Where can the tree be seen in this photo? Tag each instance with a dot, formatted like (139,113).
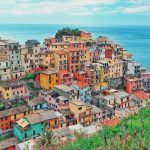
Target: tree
(68,32)
(29,76)
(46,140)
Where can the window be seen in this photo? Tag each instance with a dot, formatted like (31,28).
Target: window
(80,108)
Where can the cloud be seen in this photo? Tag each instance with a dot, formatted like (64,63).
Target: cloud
(49,7)
(140,9)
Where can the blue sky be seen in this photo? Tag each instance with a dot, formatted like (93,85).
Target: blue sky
(89,12)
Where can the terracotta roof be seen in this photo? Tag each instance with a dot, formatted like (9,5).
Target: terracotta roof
(59,52)
(141,95)
(76,49)
(81,84)
(111,122)
(129,54)
(64,72)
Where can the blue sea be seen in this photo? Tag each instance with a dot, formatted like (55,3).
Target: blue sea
(136,39)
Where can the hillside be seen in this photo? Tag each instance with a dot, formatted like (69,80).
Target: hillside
(131,133)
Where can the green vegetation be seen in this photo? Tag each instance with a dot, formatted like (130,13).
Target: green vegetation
(132,133)
(29,76)
(2,106)
(68,32)
(46,140)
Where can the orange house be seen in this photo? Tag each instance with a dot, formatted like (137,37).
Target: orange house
(64,77)
(85,35)
(7,117)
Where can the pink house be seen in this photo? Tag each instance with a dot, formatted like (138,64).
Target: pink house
(54,100)
(94,55)
(134,84)
(146,76)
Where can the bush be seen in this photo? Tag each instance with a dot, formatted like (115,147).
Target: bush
(29,76)
(68,32)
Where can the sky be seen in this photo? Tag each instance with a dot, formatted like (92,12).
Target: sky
(87,12)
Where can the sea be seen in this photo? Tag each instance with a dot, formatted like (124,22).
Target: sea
(136,39)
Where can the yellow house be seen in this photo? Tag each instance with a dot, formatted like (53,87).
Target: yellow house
(20,112)
(83,112)
(69,38)
(60,58)
(47,59)
(5,91)
(48,78)
(85,55)
(58,46)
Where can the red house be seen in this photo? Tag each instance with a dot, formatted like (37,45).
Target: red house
(134,84)
(64,77)
(49,41)
(108,52)
(86,35)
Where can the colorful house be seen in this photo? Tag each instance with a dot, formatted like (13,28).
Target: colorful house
(53,99)
(66,91)
(69,116)
(146,76)
(8,144)
(37,103)
(46,59)
(141,99)
(73,59)
(94,55)
(13,89)
(48,78)
(64,77)
(85,35)
(4,62)
(99,114)
(7,117)
(83,112)
(33,125)
(115,73)
(84,91)
(60,60)
(49,41)
(34,50)
(134,84)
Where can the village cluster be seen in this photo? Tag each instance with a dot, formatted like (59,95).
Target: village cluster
(72,83)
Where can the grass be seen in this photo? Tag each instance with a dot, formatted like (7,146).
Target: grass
(132,133)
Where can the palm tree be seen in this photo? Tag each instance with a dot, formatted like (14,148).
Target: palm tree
(46,140)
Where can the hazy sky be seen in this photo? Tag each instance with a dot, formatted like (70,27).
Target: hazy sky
(90,12)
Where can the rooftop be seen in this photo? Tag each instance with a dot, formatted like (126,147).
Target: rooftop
(58,52)
(38,117)
(45,91)
(141,95)
(36,101)
(63,72)
(50,71)
(111,122)
(121,94)
(32,42)
(12,83)
(13,111)
(96,110)
(64,87)
(82,84)
(4,144)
